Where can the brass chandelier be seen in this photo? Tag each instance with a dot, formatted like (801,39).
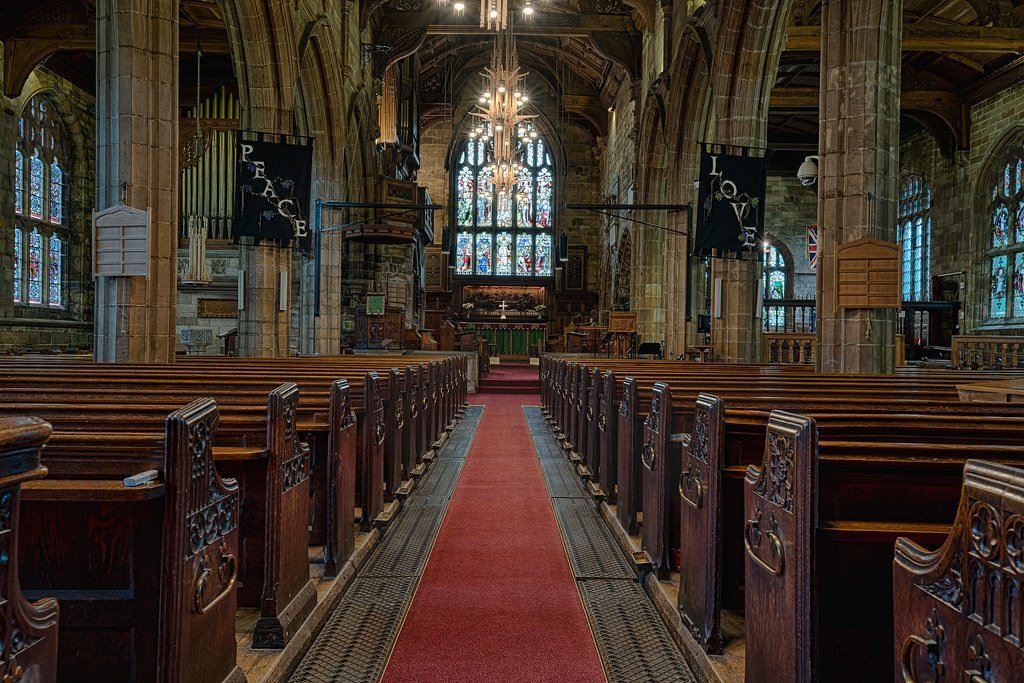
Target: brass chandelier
(503,123)
(494,14)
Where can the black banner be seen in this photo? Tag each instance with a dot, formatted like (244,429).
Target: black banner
(730,209)
(272,187)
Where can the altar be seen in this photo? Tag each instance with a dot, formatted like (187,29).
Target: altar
(508,338)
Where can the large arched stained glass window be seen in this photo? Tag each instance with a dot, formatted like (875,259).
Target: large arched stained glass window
(915,235)
(775,283)
(1006,230)
(503,234)
(39,196)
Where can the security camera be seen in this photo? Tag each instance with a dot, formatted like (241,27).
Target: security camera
(807,174)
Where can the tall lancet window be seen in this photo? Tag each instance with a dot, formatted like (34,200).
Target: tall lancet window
(1006,235)
(503,234)
(915,235)
(40,186)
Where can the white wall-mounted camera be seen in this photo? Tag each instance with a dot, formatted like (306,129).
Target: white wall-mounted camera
(807,174)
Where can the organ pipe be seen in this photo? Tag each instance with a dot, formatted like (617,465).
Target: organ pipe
(207,187)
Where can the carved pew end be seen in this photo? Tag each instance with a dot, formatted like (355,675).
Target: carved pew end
(596,492)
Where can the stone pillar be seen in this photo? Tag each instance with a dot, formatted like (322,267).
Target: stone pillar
(648,296)
(137,145)
(858,169)
(263,328)
(736,336)
(264,324)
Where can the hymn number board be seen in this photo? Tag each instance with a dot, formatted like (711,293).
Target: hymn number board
(868,274)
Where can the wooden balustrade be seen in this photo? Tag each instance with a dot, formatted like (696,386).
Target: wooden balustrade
(980,352)
(788,348)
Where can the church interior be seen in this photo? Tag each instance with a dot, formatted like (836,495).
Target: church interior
(511,340)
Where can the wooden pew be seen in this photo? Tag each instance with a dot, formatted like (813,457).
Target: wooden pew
(259,447)
(819,542)
(957,610)
(30,651)
(838,467)
(145,576)
(314,425)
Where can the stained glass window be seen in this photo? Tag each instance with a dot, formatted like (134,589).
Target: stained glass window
(35,186)
(999,286)
(18,256)
(464,253)
(19,181)
(544,191)
(55,263)
(39,180)
(483,254)
(543,255)
(56,193)
(503,258)
(524,254)
(35,268)
(774,282)
(1018,285)
(915,234)
(496,231)
(1006,219)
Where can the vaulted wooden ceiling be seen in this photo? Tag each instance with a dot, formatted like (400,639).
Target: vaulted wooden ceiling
(955,53)
(581,51)
(61,35)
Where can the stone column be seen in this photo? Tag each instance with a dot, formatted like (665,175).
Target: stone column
(264,324)
(736,336)
(648,297)
(137,146)
(858,169)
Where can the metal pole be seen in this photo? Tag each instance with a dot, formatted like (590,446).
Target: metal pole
(316,298)
(630,207)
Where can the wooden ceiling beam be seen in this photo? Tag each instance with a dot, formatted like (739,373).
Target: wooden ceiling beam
(916,38)
(807,98)
(581,25)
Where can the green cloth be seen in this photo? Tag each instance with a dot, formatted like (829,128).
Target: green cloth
(508,340)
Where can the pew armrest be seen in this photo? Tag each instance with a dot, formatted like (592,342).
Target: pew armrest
(238,453)
(89,490)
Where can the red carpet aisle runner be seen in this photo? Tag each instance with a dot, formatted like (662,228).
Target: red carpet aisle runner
(497,601)
(512,379)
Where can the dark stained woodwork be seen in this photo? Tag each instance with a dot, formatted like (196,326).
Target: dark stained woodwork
(957,610)
(30,635)
(779,506)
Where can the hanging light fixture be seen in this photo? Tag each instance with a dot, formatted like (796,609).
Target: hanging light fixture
(494,14)
(501,108)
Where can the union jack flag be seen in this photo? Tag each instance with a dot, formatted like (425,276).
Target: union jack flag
(812,246)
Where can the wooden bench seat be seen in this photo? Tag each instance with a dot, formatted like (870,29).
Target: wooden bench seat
(267,458)
(145,578)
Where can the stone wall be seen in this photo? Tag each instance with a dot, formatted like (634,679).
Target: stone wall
(789,209)
(433,173)
(961,225)
(38,327)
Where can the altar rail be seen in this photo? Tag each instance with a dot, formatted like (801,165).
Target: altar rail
(788,348)
(981,352)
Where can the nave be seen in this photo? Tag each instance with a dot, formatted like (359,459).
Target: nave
(499,597)
(584,519)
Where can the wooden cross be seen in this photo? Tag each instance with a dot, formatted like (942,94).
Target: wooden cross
(503,307)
